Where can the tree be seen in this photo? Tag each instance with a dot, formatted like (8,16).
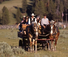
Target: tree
(0,19)
(1,1)
(5,16)
(24,6)
(59,8)
(40,8)
(18,16)
(52,9)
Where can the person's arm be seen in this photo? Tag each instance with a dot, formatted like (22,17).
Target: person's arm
(42,22)
(49,21)
(29,21)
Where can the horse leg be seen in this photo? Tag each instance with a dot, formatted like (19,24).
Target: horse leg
(56,42)
(33,45)
(30,44)
(48,45)
(52,45)
(36,41)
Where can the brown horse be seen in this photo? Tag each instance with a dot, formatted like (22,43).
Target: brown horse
(54,34)
(33,36)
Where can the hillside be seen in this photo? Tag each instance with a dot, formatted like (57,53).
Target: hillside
(12,6)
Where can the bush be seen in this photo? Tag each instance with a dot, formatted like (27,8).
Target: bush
(7,51)
(18,50)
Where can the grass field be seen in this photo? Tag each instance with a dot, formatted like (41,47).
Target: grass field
(10,36)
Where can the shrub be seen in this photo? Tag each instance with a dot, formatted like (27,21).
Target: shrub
(5,50)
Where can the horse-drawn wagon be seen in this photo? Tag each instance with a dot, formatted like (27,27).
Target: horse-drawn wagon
(33,38)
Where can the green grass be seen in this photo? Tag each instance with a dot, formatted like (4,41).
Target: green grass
(10,36)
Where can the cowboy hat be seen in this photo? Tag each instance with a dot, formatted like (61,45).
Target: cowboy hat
(32,14)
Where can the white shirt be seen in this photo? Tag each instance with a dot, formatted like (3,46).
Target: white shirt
(32,19)
(44,21)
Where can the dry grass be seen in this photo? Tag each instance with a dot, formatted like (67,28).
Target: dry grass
(13,40)
(10,37)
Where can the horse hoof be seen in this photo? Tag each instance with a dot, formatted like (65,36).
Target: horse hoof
(49,49)
(35,51)
(53,49)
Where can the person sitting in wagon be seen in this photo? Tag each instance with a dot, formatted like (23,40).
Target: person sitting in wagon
(22,22)
(26,20)
(30,21)
(44,22)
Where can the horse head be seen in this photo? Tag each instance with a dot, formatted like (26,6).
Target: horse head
(52,27)
(35,28)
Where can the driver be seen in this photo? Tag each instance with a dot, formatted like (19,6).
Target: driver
(30,21)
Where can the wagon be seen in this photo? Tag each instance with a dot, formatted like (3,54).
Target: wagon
(42,39)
